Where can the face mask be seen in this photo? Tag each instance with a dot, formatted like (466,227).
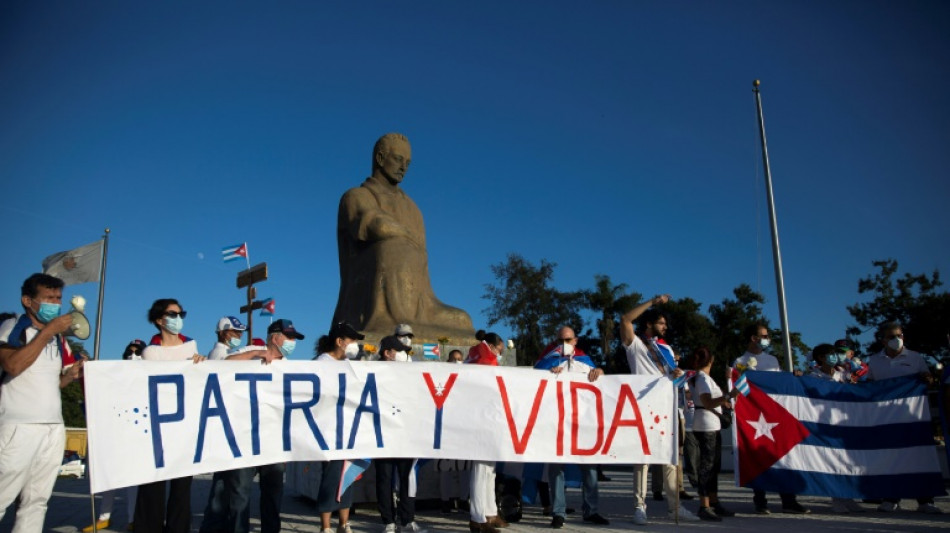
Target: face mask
(458,361)
(895,344)
(287,347)
(352,350)
(832,359)
(568,349)
(764,343)
(405,340)
(401,357)
(174,325)
(47,312)
(234,342)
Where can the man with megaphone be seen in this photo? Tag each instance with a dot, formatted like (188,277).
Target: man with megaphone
(36,364)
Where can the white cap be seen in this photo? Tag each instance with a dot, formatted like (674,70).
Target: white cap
(403,330)
(230,322)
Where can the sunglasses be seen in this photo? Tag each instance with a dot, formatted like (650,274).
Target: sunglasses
(176,314)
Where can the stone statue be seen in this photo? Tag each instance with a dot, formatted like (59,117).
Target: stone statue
(384,266)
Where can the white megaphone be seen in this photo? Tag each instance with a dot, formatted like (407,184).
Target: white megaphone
(80,327)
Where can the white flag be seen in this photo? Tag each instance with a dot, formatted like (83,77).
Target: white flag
(75,266)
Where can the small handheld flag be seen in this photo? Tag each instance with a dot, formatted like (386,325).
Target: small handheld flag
(234,253)
(431,351)
(267,308)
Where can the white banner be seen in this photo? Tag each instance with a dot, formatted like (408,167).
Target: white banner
(150,420)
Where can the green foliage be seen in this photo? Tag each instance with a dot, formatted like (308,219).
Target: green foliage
(524,300)
(73,405)
(609,301)
(911,300)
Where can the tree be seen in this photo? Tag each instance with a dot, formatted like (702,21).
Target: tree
(523,299)
(610,301)
(688,327)
(911,300)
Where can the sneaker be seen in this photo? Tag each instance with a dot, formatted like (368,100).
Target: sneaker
(685,495)
(722,511)
(707,513)
(103,524)
(795,508)
(658,496)
(888,507)
(928,508)
(557,522)
(413,527)
(327,530)
(684,515)
(597,519)
(640,516)
(762,510)
(390,528)
(344,528)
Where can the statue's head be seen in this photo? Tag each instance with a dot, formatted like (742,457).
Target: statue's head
(391,157)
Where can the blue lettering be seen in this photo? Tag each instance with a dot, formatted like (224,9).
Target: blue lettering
(305,406)
(252,380)
(213,388)
(369,393)
(158,451)
(341,399)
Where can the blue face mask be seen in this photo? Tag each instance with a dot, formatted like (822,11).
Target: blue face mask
(832,359)
(287,348)
(234,342)
(47,312)
(174,325)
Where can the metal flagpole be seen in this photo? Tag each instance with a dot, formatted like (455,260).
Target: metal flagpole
(95,351)
(776,252)
(102,292)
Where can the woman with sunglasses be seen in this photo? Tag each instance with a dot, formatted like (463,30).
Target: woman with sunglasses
(151,512)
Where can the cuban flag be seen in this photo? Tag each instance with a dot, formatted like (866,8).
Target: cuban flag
(352,470)
(267,307)
(811,436)
(234,253)
(556,358)
(431,351)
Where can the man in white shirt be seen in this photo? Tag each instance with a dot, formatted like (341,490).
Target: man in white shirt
(896,360)
(644,359)
(32,354)
(756,358)
(229,332)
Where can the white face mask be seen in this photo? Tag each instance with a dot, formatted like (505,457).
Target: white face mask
(401,357)
(895,344)
(568,349)
(405,339)
(764,342)
(352,350)
(458,362)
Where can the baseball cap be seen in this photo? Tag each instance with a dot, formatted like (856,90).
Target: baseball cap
(284,326)
(843,345)
(138,343)
(392,343)
(403,330)
(230,322)
(342,329)
(257,341)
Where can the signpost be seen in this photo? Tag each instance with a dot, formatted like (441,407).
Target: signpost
(247,278)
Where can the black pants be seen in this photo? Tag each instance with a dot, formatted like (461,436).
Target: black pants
(690,458)
(759,499)
(710,461)
(154,515)
(384,490)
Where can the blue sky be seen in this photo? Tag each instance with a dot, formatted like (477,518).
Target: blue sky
(608,137)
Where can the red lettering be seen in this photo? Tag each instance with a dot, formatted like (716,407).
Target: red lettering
(438,398)
(626,395)
(560,418)
(575,448)
(521,443)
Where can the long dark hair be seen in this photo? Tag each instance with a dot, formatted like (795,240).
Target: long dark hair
(493,339)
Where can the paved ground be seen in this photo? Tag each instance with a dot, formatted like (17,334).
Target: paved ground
(69,511)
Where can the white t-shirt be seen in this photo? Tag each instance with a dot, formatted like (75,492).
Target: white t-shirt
(705,419)
(324,357)
(219,352)
(182,352)
(837,375)
(641,360)
(765,362)
(906,363)
(32,397)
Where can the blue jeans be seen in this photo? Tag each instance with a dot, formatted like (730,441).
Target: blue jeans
(588,489)
(229,502)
